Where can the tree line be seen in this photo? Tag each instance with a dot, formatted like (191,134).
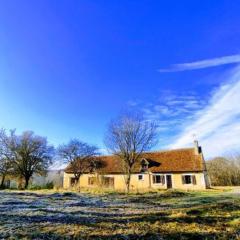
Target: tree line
(127,136)
(224,171)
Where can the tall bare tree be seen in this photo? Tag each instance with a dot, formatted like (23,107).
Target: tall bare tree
(31,155)
(128,137)
(80,156)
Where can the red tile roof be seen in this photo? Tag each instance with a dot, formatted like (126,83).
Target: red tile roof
(179,160)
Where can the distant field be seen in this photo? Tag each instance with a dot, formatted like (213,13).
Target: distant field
(161,215)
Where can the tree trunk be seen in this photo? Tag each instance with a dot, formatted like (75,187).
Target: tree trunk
(78,184)
(128,182)
(26,182)
(2,182)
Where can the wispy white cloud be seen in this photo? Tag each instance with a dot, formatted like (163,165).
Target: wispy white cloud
(171,111)
(203,64)
(172,107)
(217,126)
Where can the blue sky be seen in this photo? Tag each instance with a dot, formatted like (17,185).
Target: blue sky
(68,67)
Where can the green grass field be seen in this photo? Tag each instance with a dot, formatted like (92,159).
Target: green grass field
(213,214)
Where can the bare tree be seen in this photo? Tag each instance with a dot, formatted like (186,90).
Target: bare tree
(128,137)
(80,156)
(6,157)
(31,155)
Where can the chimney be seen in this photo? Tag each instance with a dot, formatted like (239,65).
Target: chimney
(197,148)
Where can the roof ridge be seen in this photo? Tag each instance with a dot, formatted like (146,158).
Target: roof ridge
(170,150)
(157,151)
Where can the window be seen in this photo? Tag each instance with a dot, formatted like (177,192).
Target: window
(140,177)
(107,182)
(158,179)
(144,165)
(189,179)
(144,168)
(92,181)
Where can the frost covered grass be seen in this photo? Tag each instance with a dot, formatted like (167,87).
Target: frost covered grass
(156,215)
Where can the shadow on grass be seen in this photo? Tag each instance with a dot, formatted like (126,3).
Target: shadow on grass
(168,236)
(148,236)
(89,218)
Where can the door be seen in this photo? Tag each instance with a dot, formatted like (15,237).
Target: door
(73,181)
(169,181)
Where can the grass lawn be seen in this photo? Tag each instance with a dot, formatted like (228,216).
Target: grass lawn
(158,215)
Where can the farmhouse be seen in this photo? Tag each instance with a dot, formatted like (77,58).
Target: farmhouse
(177,169)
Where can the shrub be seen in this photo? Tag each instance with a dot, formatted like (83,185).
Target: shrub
(34,187)
(48,185)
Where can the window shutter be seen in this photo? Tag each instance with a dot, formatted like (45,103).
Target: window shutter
(194,180)
(183,179)
(163,179)
(154,178)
